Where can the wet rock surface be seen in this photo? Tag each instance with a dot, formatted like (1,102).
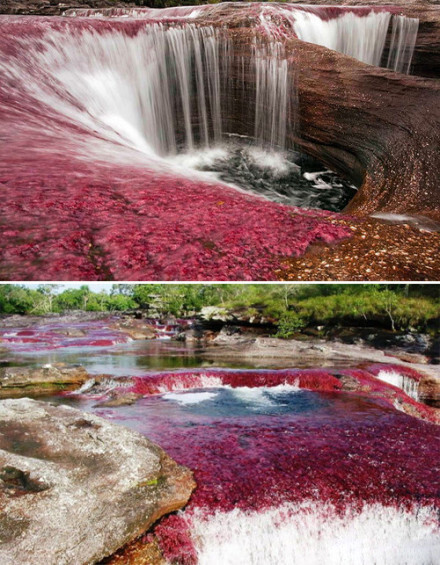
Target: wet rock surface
(429,390)
(28,381)
(376,252)
(135,329)
(74,488)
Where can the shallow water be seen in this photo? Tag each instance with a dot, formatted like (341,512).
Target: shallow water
(289,476)
(289,468)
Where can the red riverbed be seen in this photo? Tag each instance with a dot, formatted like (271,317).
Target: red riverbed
(80,206)
(262,439)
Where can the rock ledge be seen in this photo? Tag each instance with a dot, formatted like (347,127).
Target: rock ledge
(74,488)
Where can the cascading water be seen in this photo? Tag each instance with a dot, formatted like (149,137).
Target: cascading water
(274,93)
(360,37)
(144,88)
(403,41)
(161,89)
(409,385)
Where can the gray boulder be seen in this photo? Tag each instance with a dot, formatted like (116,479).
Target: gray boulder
(74,488)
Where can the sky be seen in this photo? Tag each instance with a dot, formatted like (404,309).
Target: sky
(94,286)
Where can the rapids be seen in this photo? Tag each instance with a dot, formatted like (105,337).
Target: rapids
(292,466)
(287,474)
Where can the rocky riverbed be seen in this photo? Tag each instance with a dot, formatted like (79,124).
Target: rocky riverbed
(57,462)
(74,487)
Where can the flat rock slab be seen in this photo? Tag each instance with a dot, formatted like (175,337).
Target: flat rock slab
(25,381)
(74,488)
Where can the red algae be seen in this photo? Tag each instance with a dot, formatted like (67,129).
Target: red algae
(80,206)
(146,227)
(56,336)
(174,538)
(199,378)
(361,380)
(344,449)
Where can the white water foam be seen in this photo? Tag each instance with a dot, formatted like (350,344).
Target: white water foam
(408,385)
(189,397)
(275,161)
(262,397)
(318,182)
(201,157)
(312,534)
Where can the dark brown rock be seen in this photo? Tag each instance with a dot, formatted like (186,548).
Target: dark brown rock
(74,487)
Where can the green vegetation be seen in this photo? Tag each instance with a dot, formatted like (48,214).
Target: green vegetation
(289,324)
(17,299)
(290,307)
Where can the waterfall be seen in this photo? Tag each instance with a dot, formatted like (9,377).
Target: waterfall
(273,93)
(157,91)
(403,41)
(361,37)
(163,88)
(408,385)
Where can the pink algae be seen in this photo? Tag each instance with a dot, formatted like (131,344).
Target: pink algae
(174,537)
(78,207)
(363,380)
(156,383)
(348,449)
(56,336)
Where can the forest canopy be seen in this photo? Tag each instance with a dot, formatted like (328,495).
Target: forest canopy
(288,306)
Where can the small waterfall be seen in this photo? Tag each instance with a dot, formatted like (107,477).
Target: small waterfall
(273,94)
(408,385)
(361,37)
(403,41)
